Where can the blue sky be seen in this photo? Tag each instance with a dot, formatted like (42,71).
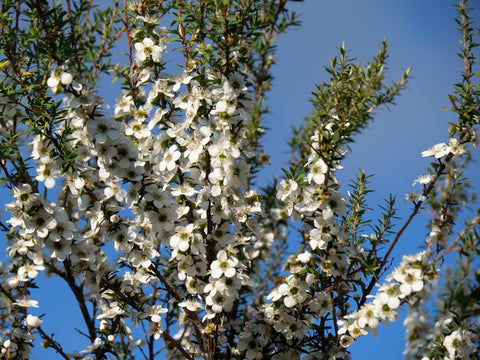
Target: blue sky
(423,35)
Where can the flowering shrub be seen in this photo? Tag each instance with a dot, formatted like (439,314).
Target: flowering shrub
(147,208)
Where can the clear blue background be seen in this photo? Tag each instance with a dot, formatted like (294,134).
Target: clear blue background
(423,35)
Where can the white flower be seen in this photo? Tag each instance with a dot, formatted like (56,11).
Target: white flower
(26,303)
(29,271)
(147,48)
(169,159)
(295,328)
(124,103)
(459,344)
(182,238)
(393,302)
(351,325)
(414,196)
(59,249)
(93,346)
(182,79)
(66,78)
(391,294)
(317,172)
(275,316)
(185,267)
(423,179)
(111,312)
(53,81)
(142,258)
(224,265)
(190,305)
(154,312)
(439,235)
(304,257)
(336,202)
(237,174)
(295,291)
(194,286)
(219,302)
(47,173)
(410,280)
(287,188)
(438,150)
(368,317)
(183,189)
(321,304)
(33,321)
(455,147)
(322,234)
(42,223)
(317,241)
(384,311)
(346,341)
(41,150)
(251,344)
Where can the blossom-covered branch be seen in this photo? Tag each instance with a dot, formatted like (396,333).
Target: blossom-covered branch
(146,206)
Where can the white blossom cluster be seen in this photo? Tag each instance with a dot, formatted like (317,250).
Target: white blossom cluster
(448,152)
(447,332)
(174,152)
(459,344)
(155,222)
(408,278)
(422,337)
(21,337)
(294,305)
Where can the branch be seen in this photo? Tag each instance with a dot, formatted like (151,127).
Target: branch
(52,343)
(78,293)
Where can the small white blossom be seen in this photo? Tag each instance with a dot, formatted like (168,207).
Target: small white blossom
(410,279)
(169,159)
(414,196)
(459,345)
(423,179)
(190,305)
(146,49)
(317,172)
(287,189)
(346,341)
(224,265)
(33,321)
(438,151)
(26,303)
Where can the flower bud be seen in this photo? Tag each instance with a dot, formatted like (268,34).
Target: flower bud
(66,78)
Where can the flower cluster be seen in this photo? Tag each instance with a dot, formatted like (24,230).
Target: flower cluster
(297,302)
(181,168)
(408,278)
(146,209)
(450,332)
(424,337)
